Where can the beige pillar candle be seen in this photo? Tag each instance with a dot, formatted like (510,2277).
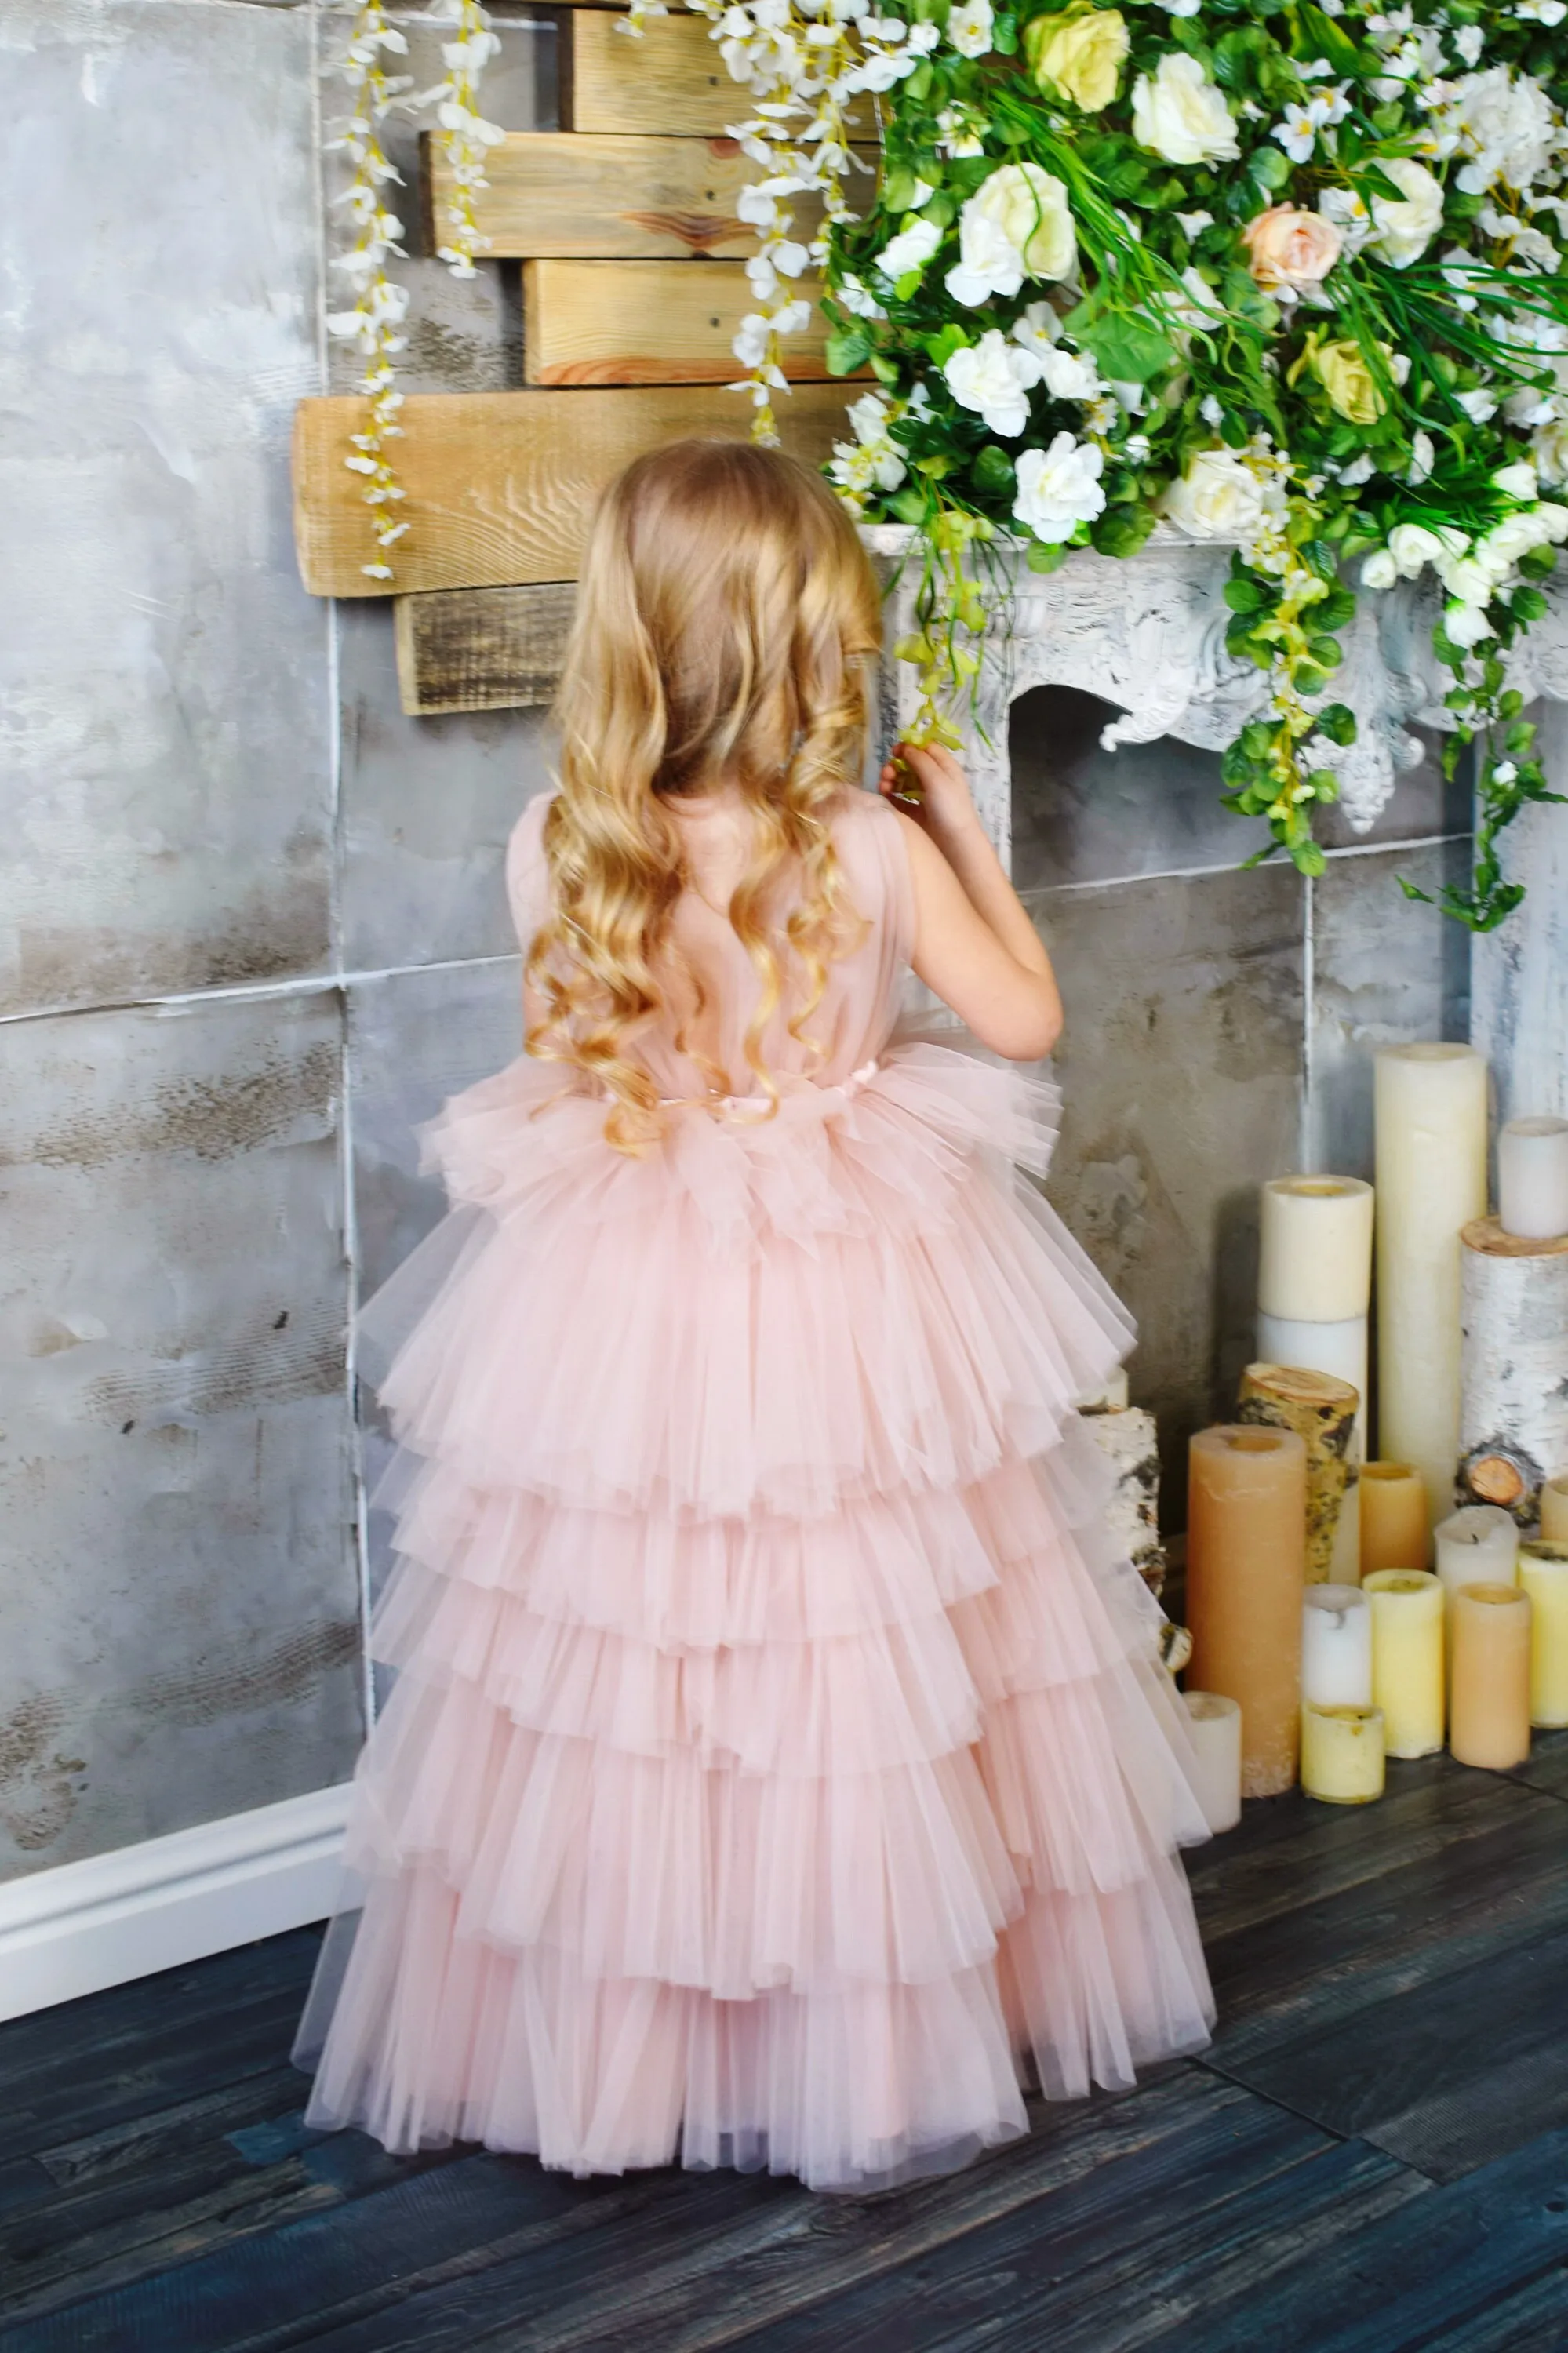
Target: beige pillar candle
(1431,1126)
(1554,1509)
(1394,1532)
(1341,1753)
(1315,1249)
(1336,1647)
(1533,1178)
(1407,1658)
(1489,1725)
(1477,1546)
(1543,1574)
(1218,1738)
(1247,1559)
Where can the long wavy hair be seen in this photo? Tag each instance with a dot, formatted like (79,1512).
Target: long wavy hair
(725,619)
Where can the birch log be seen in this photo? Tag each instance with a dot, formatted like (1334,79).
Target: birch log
(1513,1397)
(1321,1410)
(1128,1439)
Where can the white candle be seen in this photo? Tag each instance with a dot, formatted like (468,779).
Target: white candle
(1218,1738)
(1478,1546)
(1336,1647)
(1532,1179)
(1431,1113)
(1315,1253)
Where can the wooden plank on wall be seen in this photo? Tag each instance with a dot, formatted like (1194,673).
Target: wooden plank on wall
(647,322)
(562,195)
(500,485)
(673,82)
(482,649)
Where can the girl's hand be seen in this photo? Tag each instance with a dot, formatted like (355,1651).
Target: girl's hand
(927,783)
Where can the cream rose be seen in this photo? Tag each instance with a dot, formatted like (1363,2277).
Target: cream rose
(1402,231)
(1178,112)
(1017,224)
(1289,246)
(1218,496)
(1342,369)
(1550,449)
(1081,54)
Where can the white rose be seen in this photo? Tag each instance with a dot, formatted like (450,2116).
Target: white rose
(1069,375)
(1017,224)
(1412,545)
(1551,448)
(1402,231)
(1059,488)
(1466,625)
(1508,128)
(1380,570)
(995,378)
(969,29)
(1509,540)
(1479,404)
(1472,581)
(1217,498)
(911,250)
(1181,115)
(1553,522)
(1516,482)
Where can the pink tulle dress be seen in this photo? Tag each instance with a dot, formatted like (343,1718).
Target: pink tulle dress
(779,1770)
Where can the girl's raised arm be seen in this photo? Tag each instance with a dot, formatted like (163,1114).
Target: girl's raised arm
(974,945)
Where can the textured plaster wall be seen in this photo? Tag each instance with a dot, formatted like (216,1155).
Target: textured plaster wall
(254,931)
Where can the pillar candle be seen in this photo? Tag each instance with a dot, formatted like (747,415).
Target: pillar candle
(1431,1129)
(1407,1658)
(1554,1509)
(1336,1647)
(1246,1565)
(1341,1753)
(1393,1517)
(1336,1348)
(1315,1249)
(1478,1546)
(1218,1738)
(1533,1178)
(1490,1717)
(1543,1574)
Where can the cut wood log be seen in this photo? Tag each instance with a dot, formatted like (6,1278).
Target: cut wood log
(500,485)
(1513,1367)
(673,82)
(556,195)
(647,322)
(1128,1439)
(1322,1411)
(482,649)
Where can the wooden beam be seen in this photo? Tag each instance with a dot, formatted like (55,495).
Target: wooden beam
(562,195)
(500,485)
(482,649)
(671,83)
(647,322)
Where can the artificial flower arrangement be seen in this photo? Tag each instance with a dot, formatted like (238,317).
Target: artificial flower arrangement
(1283,274)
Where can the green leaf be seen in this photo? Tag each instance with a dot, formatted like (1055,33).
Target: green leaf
(1122,531)
(1244,596)
(1337,721)
(1310,678)
(1320,36)
(899,189)
(1270,167)
(1041,558)
(1004,33)
(940,347)
(1325,652)
(1529,604)
(884,370)
(1125,350)
(992,472)
(908,505)
(848,348)
(1307,857)
(1256,739)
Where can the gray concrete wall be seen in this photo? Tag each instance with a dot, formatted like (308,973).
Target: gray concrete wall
(255,930)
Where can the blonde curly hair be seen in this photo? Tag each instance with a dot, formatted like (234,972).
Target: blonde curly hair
(724,623)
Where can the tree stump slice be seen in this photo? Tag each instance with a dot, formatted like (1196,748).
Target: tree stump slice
(1513,1367)
(1322,1411)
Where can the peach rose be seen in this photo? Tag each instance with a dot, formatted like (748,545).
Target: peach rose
(1291,247)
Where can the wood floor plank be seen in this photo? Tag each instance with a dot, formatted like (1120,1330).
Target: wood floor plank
(1547,1767)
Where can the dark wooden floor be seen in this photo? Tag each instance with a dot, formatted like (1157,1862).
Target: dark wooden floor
(1372,2159)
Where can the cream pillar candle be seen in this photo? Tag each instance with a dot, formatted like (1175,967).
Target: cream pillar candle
(1246,1562)
(1431,1124)
(1341,1753)
(1336,1647)
(1554,1509)
(1489,1722)
(1407,1658)
(1478,1546)
(1315,1252)
(1217,1737)
(1393,1517)
(1533,1178)
(1543,1574)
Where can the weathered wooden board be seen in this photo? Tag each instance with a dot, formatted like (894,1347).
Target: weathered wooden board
(647,322)
(482,649)
(672,82)
(500,485)
(557,194)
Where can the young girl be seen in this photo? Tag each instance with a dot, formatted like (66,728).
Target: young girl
(781,1771)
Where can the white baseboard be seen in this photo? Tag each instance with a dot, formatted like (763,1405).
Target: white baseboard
(85,1925)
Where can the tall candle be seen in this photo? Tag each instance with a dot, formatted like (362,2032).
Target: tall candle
(1533,1178)
(1315,1252)
(1543,1574)
(1336,1647)
(1478,1546)
(1554,1509)
(1490,1724)
(1407,1658)
(1246,1565)
(1393,1517)
(1431,1122)
(1218,1738)
(1341,1753)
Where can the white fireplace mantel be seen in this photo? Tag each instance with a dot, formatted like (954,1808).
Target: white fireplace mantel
(1147,632)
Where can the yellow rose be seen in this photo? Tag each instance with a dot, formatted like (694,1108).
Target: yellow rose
(1080,54)
(1342,371)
